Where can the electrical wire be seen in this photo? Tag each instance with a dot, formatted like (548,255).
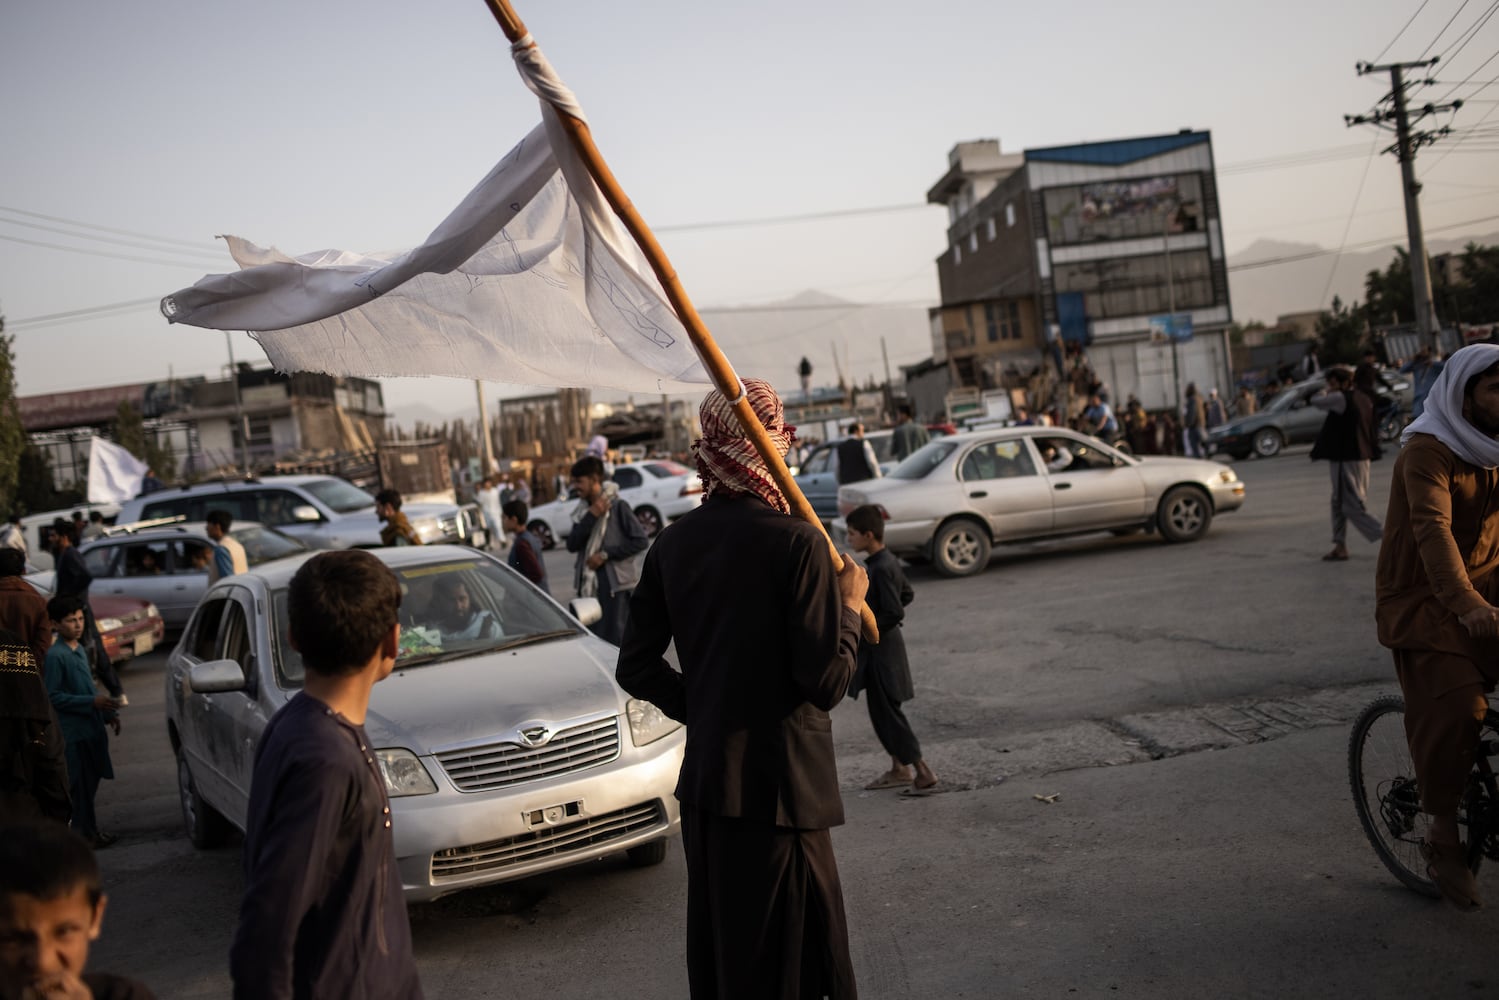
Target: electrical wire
(101,253)
(1471,33)
(133,244)
(1401,31)
(106,229)
(1312,254)
(1352,212)
(1434,41)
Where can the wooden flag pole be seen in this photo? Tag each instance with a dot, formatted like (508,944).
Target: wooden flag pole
(719,369)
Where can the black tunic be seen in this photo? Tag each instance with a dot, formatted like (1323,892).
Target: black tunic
(889,593)
(323,914)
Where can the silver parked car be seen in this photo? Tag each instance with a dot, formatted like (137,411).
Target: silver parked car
(167,564)
(506,747)
(817,477)
(955,498)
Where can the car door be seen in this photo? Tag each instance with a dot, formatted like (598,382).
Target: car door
(140,570)
(1303,421)
(189,579)
(197,719)
(819,483)
(275,508)
(1097,489)
(631,485)
(1000,480)
(239,717)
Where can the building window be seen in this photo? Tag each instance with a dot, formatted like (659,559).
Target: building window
(1002,321)
(260,433)
(1010,328)
(989,230)
(991,321)
(1009,213)
(957,253)
(973,241)
(1122,210)
(1137,286)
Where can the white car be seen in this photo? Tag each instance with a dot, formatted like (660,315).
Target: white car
(503,756)
(955,498)
(658,491)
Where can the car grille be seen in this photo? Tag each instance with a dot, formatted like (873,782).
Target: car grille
(495,765)
(548,842)
(130,618)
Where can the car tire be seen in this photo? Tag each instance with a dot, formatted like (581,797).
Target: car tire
(961,548)
(206,827)
(1268,442)
(650,520)
(652,852)
(543,532)
(1184,514)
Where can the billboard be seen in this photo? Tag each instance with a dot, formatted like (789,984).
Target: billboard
(1172,327)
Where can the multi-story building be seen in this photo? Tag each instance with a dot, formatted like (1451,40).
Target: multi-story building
(1114,248)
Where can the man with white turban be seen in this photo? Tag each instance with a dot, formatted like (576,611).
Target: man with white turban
(1437,585)
(767,634)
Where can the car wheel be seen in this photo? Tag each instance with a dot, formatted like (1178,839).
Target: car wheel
(649,520)
(1267,442)
(205,826)
(1184,514)
(647,854)
(543,531)
(961,548)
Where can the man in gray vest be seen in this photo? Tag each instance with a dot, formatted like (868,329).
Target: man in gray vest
(854,460)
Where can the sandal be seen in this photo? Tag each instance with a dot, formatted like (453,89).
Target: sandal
(887,780)
(1447,866)
(1336,556)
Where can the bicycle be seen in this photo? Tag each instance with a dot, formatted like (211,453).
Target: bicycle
(1389,806)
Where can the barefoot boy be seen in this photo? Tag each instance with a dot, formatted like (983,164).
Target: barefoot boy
(884,672)
(51,910)
(81,712)
(323,914)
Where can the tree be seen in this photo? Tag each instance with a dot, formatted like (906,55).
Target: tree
(1475,297)
(1388,297)
(1340,334)
(12,433)
(129,432)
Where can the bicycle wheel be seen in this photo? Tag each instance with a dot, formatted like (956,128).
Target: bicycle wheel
(1383,780)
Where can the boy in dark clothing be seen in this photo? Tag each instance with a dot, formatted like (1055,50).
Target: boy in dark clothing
(73,580)
(81,712)
(323,914)
(525,548)
(884,672)
(51,909)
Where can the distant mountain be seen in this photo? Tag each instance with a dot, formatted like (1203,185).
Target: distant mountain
(1263,293)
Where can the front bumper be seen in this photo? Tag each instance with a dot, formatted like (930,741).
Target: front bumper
(452,840)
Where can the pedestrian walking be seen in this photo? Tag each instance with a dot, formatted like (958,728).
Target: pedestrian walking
(1194,418)
(13,536)
(884,672)
(73,579)
(228,554)
(490,504)
(1214,411)
(1346,442)
(525,548)
(82,713)
(398,529)
(51,911)
(607,539)
(853,459)
(908,435)
(767,635)
(323,914)
(33,753)
(1437,595)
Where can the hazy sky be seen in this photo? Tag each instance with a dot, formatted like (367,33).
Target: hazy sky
(359,125)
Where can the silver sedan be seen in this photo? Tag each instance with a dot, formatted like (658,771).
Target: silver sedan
(958,496)
(505,745)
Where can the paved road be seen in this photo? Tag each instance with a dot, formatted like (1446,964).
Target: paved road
(1223,860)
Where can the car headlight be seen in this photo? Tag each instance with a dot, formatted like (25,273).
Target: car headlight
(427,529)
(152,611)
(1227,476)
(110,624)
(648,723)
(404,774)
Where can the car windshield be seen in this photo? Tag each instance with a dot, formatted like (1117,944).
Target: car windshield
(923,460)
(666,469)
(1284,399)
(450,610)
(884,446)
(263,544)
(338,495)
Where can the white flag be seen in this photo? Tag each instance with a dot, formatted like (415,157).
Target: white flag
(114,475)
(531,280)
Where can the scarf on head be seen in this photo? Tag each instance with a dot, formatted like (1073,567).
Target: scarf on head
(727,461)
(1442,416)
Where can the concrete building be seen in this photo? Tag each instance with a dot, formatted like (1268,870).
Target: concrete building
(1113,247)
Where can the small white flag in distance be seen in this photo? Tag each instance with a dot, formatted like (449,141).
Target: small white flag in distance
(114,475)
(531,280)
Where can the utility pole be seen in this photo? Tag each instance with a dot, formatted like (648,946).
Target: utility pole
(1406,144)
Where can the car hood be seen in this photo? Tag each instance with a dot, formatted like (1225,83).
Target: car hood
(479,697)
(1179,464)
(1244,425)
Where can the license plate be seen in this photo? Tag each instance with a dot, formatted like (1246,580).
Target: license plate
(552,815)
(144,644)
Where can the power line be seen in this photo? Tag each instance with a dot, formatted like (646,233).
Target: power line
(1434,41)
(72,314)
(1402,30)
(105,229)
(133,244)
(1471,33)
(1352,212)
(102,253)
(1312,254)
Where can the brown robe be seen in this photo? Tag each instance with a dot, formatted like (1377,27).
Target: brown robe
(1438,561)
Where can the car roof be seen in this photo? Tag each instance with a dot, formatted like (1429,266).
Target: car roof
(1017,431)
(230,485)
(278,573)
(125,531)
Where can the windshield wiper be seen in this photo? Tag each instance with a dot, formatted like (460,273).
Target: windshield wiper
(526,640)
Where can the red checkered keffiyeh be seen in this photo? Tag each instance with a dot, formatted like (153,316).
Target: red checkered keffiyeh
(727,460)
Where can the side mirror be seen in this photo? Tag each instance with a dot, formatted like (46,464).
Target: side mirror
(305,512)
(586,609)
(216,676)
